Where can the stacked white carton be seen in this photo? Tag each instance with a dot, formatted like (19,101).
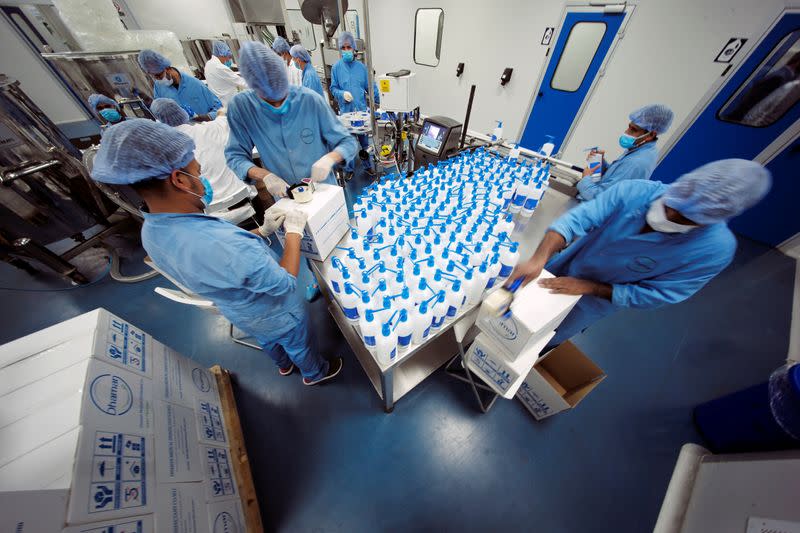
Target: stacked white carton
(504,352)
(102,426)
(327,220)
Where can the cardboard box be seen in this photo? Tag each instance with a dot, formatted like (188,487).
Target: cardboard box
(177,447)
(211,427)
(327,220)
(181,380)
(488,361)
(137,524)
(32,512)
(182,509)
(48,467)
(219,479)
(559,381)
(535,313)
(98,334)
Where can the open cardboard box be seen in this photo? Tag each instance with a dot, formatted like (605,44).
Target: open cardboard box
(558,381)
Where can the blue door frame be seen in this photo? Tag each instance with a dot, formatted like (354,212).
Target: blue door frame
(554,110)
(709,138)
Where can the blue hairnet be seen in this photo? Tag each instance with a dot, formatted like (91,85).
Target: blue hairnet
(718,191)
(299,51)
(140,149)
(95,100)
(347,38)
(221,49)
(653,117)
(169,112)
(280,45)
(264,71)
(152,62)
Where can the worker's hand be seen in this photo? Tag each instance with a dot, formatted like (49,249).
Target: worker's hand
(273,218)
(222,111)
(529,271)
(595,152)
(566,285)
(295,222)
(348,96)
(275,185)
(322,168)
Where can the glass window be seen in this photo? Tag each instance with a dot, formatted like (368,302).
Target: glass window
(771,90)
(582,44)
(428,25)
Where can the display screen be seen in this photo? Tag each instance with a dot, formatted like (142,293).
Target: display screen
(432,137)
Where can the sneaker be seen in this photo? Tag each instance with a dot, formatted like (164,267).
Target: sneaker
(371,171)
(334,367)
(312,292)
(286,371)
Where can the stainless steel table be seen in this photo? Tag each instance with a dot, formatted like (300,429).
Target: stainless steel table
(393,381)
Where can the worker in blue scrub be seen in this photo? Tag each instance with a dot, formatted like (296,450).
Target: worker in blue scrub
(644,244)
(234,268)
(350,85)
(638,160)
(106,110)
(296,133)
(169,82)
(302,59)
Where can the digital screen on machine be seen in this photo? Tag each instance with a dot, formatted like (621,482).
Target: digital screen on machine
(432,137)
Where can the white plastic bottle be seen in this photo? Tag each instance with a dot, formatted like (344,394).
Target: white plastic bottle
(520,195)
(493,270)
(422,323)
(370,327)
(404,330)
(509,256)
(455,299)
(513,154)
(439,311)
(548,146)
(386,344)
(350,299)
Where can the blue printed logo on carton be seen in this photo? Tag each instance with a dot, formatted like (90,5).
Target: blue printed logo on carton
(201,380)
(506,329)
(225,523)
(532,400)
(111,394)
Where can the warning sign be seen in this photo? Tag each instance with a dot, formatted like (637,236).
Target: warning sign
(385,86)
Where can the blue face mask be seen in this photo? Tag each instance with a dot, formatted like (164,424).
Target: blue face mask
(110,115)
(348,56)
(208,192)
(281,110)
(628,141)
(229,63)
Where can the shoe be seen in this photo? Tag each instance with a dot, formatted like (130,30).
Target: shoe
(334,367)
(348,176)
(371,171)
(286,371)
(312,292)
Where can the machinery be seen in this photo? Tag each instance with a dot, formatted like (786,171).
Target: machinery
(438,139)
(398,91)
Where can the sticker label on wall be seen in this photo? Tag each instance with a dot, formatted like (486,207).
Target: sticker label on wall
(730,50)
(548,36)
(386,86)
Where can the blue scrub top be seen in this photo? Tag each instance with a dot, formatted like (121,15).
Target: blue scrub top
(227,265)
(311,80)
(191,92)
(644,270)
(635,164)
(288,144)
(351,77)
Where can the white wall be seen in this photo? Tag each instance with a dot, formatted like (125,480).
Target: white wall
(39,83)
(197,19)
(487,37)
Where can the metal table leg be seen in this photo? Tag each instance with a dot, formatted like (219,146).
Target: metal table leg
(387,390)
(464,374)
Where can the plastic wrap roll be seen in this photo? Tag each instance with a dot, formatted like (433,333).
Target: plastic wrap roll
(676,500)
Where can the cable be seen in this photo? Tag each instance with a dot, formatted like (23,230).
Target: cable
(101,277)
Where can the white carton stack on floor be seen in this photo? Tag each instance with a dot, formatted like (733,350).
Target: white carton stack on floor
(507,348)
(103,428)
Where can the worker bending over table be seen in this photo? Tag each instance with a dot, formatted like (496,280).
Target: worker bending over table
(644,244)
(233,268)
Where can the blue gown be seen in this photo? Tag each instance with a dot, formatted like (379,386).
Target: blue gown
(635,164)
(311,80)
(351,77)
(645,270)
(191,92)
(238,272)
(288,144)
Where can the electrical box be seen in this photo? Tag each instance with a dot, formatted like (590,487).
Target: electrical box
(398,93)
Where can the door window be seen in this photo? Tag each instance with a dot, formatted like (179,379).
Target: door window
(428,25)
(579,51)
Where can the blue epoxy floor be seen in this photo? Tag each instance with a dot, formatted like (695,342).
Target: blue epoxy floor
(328,459)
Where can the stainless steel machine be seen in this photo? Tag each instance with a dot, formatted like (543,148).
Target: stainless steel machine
(46,194)
(114,74)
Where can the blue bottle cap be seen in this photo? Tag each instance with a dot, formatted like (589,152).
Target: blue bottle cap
(405,294)
(403,315)
(369,315)
(386,330)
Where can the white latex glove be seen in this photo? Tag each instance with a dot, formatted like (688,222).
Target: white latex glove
(322,168)
(275,185)
(295,222)
(273,218)
(348,96)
